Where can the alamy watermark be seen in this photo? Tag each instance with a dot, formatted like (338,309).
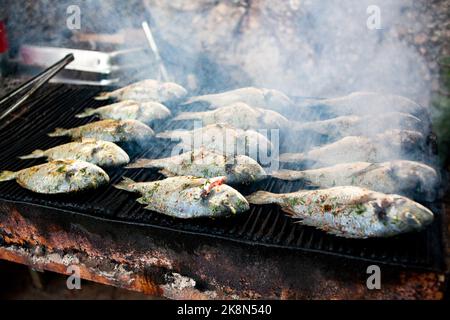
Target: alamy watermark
(374,280)
(373,21)
(262,145)
(73,282)
(73,21)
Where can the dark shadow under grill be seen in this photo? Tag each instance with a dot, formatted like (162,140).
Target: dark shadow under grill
(56,105)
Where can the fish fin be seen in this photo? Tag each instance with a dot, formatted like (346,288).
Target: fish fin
(34,155)
(59,132)
(143,163)
(142,200)
(103,96)
(167,173)
(86,113)
(125,184)
(260,197)
(369,168)
(7,175)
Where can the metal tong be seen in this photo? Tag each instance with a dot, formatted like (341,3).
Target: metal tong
(31,86)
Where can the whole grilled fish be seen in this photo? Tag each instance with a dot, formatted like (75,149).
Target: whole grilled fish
(188,197)
(146,112)
(393,144)
(361,104)
(207,164)
(100,153)
(221,138)
(361,125)
(257,97)
(412,179)
(146,91)
(350,212)
(239,115)
(109,130)
(59,176)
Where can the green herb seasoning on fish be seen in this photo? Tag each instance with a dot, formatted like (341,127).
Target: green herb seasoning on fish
(350,212)
(207,164)
(412,179)
(109,130)
(101,153)
(146,112)
(188,197)
(146,91)
(59,176)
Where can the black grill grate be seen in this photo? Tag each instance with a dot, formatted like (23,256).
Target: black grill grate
(55,106)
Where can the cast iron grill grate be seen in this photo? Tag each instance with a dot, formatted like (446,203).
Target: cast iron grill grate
(55,106)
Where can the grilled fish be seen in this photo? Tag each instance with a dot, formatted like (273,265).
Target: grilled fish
(361,104)
(59,176)
(207,164)
(188,197)
(146,112)
(146,91)
(350,212)
(393,144)
(100,153)
(361,125)
(412,179)
(221,138)
(239,115)
(109,130)
(257,97)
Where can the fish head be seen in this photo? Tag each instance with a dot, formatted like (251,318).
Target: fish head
(399,215)
(110,155)
(223,200)
(422,179)
(276,100)
(136,129)
(246,169)
(170,91)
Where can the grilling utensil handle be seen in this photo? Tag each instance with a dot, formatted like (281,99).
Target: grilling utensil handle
(33,85)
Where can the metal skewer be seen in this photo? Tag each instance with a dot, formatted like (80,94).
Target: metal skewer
(154,48)
(33,85)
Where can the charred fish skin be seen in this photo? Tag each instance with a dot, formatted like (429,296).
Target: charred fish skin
(146,112)
(202,163)
(188,197)
(59,176)
(258,97)
(108,130)
(239,115)
(408,178)
(221,138)
(351,212)
(146,91)
(393,144)
(360,103)
(101,153)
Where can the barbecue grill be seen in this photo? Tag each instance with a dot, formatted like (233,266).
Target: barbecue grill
(262,229)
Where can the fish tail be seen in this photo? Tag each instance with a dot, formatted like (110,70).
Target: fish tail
(144,163)
(34,155)
(59,132)
(261,197)
(86,113)
(103,96)
(126,184)
(7,175)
